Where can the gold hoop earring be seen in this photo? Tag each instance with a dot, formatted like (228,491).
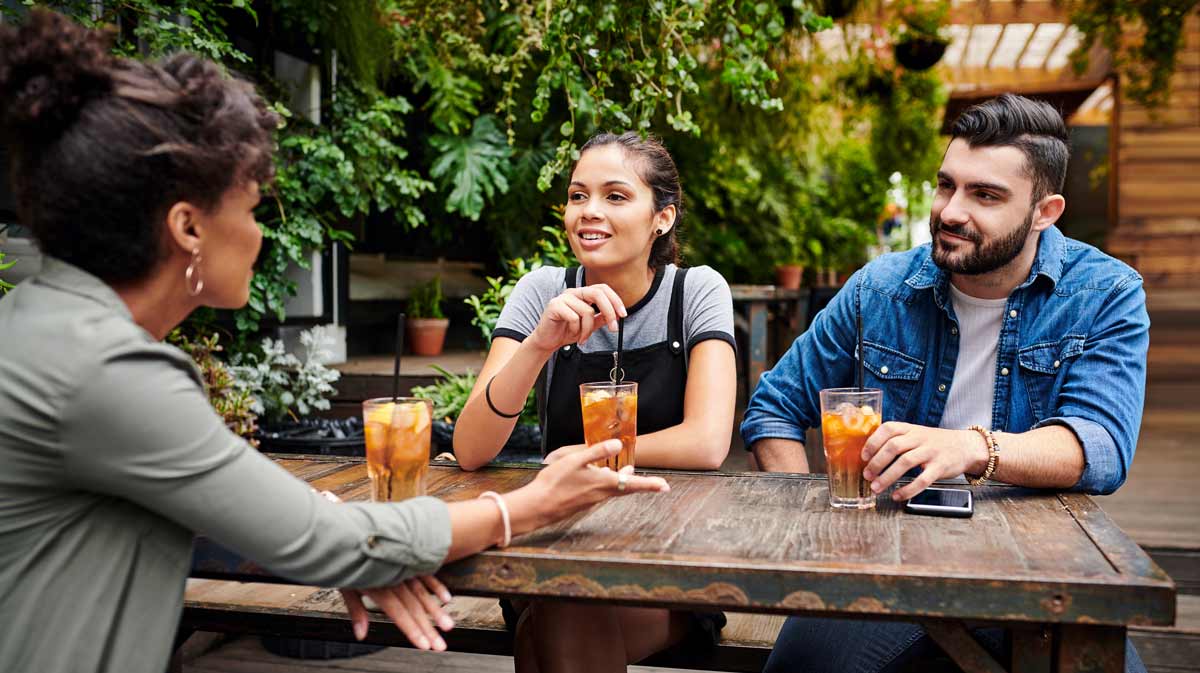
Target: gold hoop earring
(193,270)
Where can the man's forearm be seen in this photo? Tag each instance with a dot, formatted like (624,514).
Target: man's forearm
(1048,457)
(780,455)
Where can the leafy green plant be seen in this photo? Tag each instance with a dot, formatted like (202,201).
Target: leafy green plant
(425,301)
(922,18)
(584,65)
(906,128)
(356,31)
(232,403)
(1143,36)
(4,266)
(328,176)
(451,392)
(474,166)
(280,384)
(857,188)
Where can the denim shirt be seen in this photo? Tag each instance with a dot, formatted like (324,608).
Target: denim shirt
(1071,351)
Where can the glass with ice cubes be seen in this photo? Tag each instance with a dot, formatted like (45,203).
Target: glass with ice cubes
(848,417)
(610,412)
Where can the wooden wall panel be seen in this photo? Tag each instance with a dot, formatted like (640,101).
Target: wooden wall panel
(1157,179)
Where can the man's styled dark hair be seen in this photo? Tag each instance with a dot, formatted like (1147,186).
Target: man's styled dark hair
(1034,127)
(101,147)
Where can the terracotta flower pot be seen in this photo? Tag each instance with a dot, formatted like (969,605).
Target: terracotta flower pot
(788,276)
(426,336)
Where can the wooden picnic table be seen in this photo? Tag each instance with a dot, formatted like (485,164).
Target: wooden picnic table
(1051,567)
(756,300)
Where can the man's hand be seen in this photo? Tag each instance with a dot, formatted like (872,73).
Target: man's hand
(895,448)
(414,605)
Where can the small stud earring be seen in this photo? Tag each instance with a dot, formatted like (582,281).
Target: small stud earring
(658,232)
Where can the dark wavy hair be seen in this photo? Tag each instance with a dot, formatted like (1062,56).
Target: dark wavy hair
(1033,127)
(657,169)
(101,147)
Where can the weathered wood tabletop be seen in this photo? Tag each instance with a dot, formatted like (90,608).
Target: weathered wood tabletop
(1035,561)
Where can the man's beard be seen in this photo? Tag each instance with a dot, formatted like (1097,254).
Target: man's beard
(986,256)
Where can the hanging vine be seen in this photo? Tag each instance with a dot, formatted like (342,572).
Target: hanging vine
(1143,36)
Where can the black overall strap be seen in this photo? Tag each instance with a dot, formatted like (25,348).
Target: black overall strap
(675,339)
(569,275)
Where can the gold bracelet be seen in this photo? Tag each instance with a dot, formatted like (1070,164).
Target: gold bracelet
(993,456)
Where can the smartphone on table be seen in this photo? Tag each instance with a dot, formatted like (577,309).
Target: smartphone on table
(942,502)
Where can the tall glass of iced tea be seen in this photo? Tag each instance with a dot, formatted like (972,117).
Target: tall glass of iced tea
(848,417)
(397,435)
(610,412)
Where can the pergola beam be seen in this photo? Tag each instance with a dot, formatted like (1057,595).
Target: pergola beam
(1010,11)
(999,11)
(970,81)
(996,46)
(1054,47)
(1025,47)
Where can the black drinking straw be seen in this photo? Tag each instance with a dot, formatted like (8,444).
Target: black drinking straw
(399,352)
(620,347)
(858,374)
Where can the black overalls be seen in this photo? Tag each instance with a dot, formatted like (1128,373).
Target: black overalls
(660,371)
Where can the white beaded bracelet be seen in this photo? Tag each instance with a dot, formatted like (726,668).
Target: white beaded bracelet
(495,497)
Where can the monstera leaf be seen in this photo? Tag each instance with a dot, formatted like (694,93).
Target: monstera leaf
(452,96)
(475,166)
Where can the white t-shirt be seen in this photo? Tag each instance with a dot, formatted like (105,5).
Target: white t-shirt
(974,385)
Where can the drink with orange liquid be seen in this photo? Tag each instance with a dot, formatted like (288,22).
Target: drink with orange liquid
(848,417)
(610,412)
(397,435)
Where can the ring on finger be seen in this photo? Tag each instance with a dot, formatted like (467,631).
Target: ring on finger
(622,480)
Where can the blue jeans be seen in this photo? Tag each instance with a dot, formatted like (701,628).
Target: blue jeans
(814,645)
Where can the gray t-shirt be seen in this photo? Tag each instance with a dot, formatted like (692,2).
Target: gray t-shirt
(707,310)
(112,457)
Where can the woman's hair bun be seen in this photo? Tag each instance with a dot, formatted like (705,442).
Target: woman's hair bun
(50,67)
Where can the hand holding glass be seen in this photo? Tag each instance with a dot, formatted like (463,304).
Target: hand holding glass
(848,417)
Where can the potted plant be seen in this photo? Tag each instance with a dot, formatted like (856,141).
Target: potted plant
(426,324)
(919,42)
(283,387)
(232,402)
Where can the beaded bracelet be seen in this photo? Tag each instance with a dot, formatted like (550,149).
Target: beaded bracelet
(495,497)
(993,455)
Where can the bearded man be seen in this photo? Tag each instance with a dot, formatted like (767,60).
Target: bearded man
(1004,350)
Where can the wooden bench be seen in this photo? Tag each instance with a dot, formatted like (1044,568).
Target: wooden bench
(311,612)
(314,613)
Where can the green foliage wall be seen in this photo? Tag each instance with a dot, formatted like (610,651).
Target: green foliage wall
(465,116)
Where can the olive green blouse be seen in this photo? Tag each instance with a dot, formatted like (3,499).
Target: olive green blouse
(110,459)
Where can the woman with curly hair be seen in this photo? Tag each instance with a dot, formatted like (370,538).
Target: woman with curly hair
(139,181)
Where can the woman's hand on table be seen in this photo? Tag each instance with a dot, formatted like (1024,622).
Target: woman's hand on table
(415,606)
(570,483)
